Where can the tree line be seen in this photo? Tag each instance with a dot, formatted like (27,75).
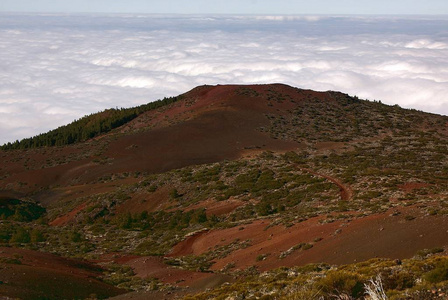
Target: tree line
(87,127)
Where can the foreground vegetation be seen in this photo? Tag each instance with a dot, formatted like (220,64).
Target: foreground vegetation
(423,277)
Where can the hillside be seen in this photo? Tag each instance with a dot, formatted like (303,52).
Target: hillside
(87,127)
(227,182)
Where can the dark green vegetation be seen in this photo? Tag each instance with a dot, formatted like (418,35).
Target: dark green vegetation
(87,127)
(18,210)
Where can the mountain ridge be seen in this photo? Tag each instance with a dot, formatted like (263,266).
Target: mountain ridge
(240,122)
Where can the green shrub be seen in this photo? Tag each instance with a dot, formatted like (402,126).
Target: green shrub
(174,194)
(439,273)
(340,281)
(427,252)
(10,260)
(307,246)
(37,236)
(20,210)
(398,280)
(261,257)
(76,237)
(21,236)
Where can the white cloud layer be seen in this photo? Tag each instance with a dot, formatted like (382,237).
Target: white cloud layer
(56,68)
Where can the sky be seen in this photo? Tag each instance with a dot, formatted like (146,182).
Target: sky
(58,67)
(231,6)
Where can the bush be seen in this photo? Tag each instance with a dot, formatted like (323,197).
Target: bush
(439,273)
(37,236)
(307,246)
(427,252)
(261,257)
(18,210)
(174,194)
(76,237)
(21,236)
(337,282)
(264,209)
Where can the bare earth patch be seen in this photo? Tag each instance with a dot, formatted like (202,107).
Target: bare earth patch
(339,242)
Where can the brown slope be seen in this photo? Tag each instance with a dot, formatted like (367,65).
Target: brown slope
(30,274)
(209,124)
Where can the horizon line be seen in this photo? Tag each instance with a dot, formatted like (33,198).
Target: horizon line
(219,14)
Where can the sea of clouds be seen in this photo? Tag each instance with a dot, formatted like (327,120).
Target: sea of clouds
(57,68)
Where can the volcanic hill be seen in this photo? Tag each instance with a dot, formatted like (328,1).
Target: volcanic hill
(221,184)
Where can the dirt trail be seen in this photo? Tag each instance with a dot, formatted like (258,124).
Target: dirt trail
(346,191)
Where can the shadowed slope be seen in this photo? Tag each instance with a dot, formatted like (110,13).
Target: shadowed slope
(30,274)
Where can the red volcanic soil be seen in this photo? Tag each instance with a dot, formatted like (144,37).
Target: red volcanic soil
(154,267)
(410,186)
(189,282)
(209,124)
(146,201)
(339,242)
(221,126)
(29,274)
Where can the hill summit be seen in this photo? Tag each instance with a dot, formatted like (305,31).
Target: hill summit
(213,123)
